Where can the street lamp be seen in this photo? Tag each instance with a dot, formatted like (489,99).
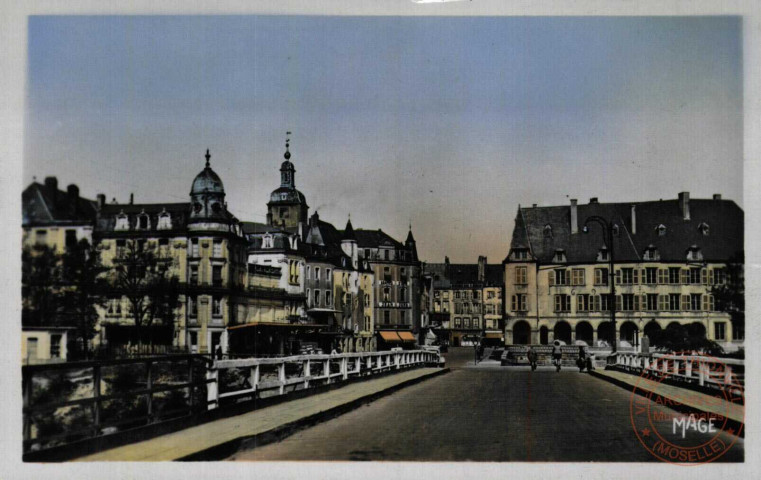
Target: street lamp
(607,229)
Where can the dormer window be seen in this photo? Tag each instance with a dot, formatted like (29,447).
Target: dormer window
(267,241)
(559,256)
(694,253)
(122,222)
(520,254)
(616,230)
(651,253)
(143,222)
(548,231)
(602,254)
(661,229)
(704,229)
(294,240)
(165,221)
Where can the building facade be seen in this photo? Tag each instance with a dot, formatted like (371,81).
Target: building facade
(667,255)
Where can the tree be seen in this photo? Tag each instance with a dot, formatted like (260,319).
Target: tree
(730,296)
(40,286)
(145,279)
(85,287)
(680,338)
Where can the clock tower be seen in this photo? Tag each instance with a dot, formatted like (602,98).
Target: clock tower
(287,207)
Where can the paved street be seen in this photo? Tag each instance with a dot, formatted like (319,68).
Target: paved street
(483,413)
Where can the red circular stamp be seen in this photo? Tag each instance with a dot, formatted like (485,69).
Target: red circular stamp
(679,423)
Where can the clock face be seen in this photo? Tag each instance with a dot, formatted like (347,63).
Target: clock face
(197,207)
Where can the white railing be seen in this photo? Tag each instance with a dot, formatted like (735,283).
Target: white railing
(265,377)
(706,371)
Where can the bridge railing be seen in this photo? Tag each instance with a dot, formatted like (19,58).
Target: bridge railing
(239,379)
(701,370)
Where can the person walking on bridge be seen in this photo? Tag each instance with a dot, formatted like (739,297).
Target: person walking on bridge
(557,354)
(531,355)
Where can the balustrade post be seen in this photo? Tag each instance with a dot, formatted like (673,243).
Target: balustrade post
(688,368)
(254,377)
(397,360)
(727,375)
(358,365)
(281,377)
(370,363)
(149,384)
(307,373)
(344,368)
(676,367)
(212,387)
(701,373)
(96,373)
(326,370)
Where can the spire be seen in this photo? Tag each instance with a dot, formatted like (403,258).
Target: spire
(349,231)
(410,238)
(287,154)
(208,156)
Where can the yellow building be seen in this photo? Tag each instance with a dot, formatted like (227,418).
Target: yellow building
(667,256)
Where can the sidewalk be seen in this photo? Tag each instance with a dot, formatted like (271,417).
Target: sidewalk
(225,436)
(689,398)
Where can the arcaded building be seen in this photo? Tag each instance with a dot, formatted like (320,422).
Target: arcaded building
(668,255)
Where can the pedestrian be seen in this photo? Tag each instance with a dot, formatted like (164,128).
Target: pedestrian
(557,354)
(581,362)
(218,352)
(532,357)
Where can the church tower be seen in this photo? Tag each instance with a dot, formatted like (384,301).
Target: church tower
(287,208)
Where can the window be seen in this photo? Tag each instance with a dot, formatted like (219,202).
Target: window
(122,222)
(216,275)
(445,295)
(193,306)
(577,276)
(217,248)
(582,304)
(327,275)
(309,272)
(386,294)
(317,274)
(548,231)
(601,276)
(457,294)
(41,237)
(386,274)
(165,221)
(661,229)
(309,297)
(386,317)
(627,304)
(490,294)
(695,276)
(695,299)
(519,302)
(651,275)
(561,277)
(694,253)
(674,301)
(163,242)
(367,253)
(142,222)
(627,276)
(704,229)
(316,298)
(559,256)
(71,238)
(367,299)
(267,241)
(651,253)
(55,346)
(604,302)
(216,306)
(520,254)
(457,322)
(675,275)
(403,294)
(193,275)
(719,276)
(385,254)
(719,330)
(194,247)
(367,323)
(652,302)
(466,323)
(562,303)
(293,272)
(404,275)
(602,255)
(329,298)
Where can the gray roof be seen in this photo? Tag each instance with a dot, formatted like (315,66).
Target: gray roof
(44,205)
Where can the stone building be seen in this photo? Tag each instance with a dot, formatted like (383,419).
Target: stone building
(668,255)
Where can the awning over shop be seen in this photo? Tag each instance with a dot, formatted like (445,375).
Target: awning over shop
(493,334)
(390,336)
(407,336)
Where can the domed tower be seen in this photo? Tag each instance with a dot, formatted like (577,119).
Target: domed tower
(287,207)
(207,196)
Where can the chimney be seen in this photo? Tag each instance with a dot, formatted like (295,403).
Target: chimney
(446,267)
(73,192)
(684,204)
(101,200)
(131,198)
(481,269)
(593,200)
(717,196)
(533,205)
(574,217)
(634,220)
(51,183)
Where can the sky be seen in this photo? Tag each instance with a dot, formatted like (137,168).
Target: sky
(444,123)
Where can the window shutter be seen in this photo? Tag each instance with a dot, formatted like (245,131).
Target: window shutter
(661,276)
(685,276)
(636,302)
(705,303)
(582,279)
(663,303)
(710,277)
(685,303)
(618,303)
(643,302)
(704,276)
(618,277)
(557,303)
(635,273)
(551,277)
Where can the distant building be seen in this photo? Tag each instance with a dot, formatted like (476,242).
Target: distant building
(668,255)
(466,301)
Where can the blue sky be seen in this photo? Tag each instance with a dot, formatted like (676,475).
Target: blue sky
(448,123)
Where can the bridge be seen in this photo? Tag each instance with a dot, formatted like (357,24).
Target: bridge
(476,412)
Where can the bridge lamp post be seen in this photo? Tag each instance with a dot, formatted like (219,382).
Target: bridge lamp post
(607,230)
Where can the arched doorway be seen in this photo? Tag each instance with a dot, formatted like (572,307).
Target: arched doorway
(562,332)
(630,333)
(696,329)
(521,333)
(607,333)
(652,329)
(544,335)
(585,332)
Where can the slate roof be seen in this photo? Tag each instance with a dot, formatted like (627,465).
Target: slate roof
(463,274)
(375,239)
(723,217)
(178,213)
(41,205)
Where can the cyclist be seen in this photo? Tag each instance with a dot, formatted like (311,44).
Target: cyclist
(557,354)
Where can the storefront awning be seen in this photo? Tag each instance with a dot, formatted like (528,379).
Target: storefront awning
(493,334)
(406,336)
(390,336)
(276,324)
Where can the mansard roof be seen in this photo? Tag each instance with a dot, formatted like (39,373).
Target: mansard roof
(723,241)
(375,239)
(46,205)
